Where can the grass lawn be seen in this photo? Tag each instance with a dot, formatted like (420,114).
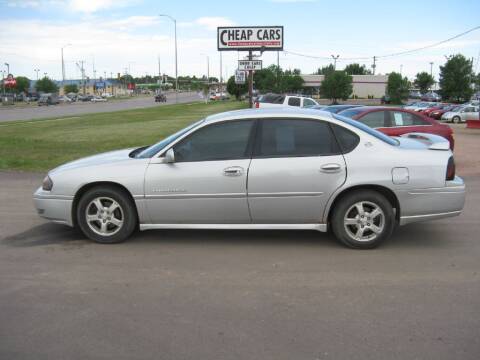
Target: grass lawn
(40,145)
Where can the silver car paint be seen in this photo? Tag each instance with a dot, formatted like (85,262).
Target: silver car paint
(272,203)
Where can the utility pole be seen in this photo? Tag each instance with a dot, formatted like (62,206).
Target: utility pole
(431,68)
(82,71)
(221,71)
(401,67)
(374,64)
(63,65)
(250,82)
(176,58)
(335,61)
(8,68)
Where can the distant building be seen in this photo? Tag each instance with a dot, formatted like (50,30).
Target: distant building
(363,85)
(93,87)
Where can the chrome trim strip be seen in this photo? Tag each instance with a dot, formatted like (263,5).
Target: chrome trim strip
(55,197)
(317,227)
(414,218)
(285,194)
(197,196)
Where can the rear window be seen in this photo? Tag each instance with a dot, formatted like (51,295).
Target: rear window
(272,99)
(351,112)
(368,130)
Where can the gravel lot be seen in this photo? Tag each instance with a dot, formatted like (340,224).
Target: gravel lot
(40,112)
(240,295)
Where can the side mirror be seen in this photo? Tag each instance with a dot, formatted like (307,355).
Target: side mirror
(170,156)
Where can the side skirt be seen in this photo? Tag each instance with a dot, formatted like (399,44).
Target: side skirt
(317,227)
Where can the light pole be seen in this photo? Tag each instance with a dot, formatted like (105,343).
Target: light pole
(208,76)
(63,64)
(401,68)
(36,70)
(176,59)
(431,71)
(335,61)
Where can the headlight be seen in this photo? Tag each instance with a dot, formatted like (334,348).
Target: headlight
(47,183)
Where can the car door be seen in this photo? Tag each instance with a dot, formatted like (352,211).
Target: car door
(472,113)
(465,113)
(295,168)
(207,182)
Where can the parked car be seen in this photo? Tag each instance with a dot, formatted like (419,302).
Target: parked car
(419,106)
(107,95)
(431,96)
(98,99)
(160,98)
(64,99)
(85,98)
(414,94)
(430,110)
(385,99)
(306,170)
(461,114)
(276,100)
(48,99)
(398,121)
(437,113)
(337,108)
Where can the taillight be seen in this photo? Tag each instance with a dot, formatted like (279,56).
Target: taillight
(450,169)
(257,104)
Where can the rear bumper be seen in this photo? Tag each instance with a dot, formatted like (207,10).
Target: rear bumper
(56,208)
(432,203)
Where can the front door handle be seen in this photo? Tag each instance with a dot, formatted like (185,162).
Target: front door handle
(331,168)
(233,171)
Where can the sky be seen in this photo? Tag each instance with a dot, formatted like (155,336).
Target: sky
(117,36)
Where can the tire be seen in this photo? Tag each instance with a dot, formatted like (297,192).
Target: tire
(456,120)
(347,221)
(112,215)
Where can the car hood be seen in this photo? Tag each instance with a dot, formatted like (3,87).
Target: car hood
(100,159)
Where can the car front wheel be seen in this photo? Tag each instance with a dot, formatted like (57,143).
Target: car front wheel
(363,219)
(106,215)
(456,119)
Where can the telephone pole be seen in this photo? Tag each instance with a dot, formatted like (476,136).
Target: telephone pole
(374,64)
(82,71)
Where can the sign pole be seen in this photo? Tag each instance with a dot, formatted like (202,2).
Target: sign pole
(250,82)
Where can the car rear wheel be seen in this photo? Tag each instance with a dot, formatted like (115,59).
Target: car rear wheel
(106,215)
(363,219)
(456,119)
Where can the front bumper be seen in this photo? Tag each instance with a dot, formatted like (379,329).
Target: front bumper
(56,208)
(432,203)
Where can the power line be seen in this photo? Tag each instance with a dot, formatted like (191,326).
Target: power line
(405,52)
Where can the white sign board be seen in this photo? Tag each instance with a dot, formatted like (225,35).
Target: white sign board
(250,38)
(240,77)
(249,64)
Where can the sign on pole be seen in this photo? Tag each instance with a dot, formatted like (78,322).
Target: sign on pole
(249,64)
(250,38)
(240,77)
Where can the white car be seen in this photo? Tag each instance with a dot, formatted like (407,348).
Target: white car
(461,114)
(420,106)
(98,99)
(295,169)
(276,100)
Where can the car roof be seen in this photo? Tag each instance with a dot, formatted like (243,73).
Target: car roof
(280,112)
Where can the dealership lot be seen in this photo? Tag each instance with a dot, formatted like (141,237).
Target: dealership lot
(37,112)
(240,295)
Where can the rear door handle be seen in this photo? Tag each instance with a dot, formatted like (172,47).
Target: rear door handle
(233,171)
(330,168)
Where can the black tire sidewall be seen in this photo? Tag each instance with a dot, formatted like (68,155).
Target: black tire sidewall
(129,214)
(346,202)
(456,120)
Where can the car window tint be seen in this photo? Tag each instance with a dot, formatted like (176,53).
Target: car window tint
(373,119)
(285,137)
(228,140)
(271,99)
(347,139)
(294,101)
(401,118)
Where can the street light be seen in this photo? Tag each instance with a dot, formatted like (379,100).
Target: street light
(176,60)
(335,61)
(63,64)
(36,70)
(8,68)
(208,75)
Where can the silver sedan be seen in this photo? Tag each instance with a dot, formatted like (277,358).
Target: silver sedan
(260,169)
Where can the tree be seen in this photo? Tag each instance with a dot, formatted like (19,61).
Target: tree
(70,88)
(23,84)
(336,85)
(397,88)
(456,79)
(266,80)
(46,85)
(424,81)
(236,90)
(357,69)
(290,81)
(325,70)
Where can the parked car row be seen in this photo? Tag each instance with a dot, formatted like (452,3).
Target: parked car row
(447,112)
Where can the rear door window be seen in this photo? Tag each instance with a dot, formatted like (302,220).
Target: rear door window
(400,118)
(374,119)
(308,102)
(294,101)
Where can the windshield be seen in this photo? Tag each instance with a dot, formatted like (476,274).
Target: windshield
(152,150)
(367,129)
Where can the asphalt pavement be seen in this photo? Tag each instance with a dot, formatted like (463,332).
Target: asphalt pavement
(78,108)
(174,294)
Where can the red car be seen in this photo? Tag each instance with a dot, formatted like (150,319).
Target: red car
(397,121)
(437,114)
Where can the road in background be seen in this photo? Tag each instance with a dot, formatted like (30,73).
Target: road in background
(40,112)
(239,294)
